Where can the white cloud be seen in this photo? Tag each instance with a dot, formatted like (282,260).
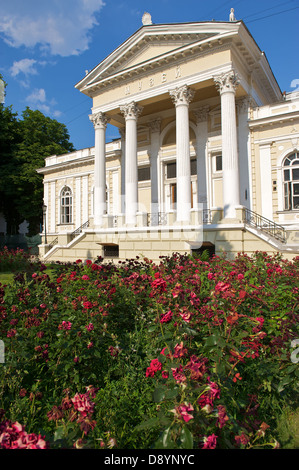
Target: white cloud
(38,100)
(38,95)
(25,66)
(59,27)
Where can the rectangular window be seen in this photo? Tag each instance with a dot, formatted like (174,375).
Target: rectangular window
(218,162)
(111,251)
(287,175)
(173,195)
(295,173)
(295,195)
(193,167)
(144,173)
(286,197)
(171,170)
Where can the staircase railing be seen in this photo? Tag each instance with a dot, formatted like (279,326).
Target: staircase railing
(79,229)
(53,243)
(265,225)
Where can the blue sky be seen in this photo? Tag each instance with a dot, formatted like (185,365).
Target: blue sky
(46,46)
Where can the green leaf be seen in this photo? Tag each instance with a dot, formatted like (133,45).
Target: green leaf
(165,441)
(215,340)
(59,433)
(159,394)
(283,383)
(170,394)
(186,439)
(150,423)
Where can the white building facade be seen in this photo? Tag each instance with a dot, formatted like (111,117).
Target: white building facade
(208,154)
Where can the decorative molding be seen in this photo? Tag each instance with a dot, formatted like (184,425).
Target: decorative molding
(99,120)
(201,113)
(182,95)
(122,132)
(131,110)
(243,104)
(227,82)
(155,125)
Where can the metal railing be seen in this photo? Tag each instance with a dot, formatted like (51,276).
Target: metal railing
(265,225)
(115,221)
(206,216)
(160,218)
(156,218)
(53,243)
(79,229)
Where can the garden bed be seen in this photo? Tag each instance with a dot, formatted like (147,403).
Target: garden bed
(185,354)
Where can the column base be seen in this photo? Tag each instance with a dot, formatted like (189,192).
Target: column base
(238,219)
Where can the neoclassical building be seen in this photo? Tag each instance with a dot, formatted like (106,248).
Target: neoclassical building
(207,156)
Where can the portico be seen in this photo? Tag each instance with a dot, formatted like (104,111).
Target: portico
(181,97)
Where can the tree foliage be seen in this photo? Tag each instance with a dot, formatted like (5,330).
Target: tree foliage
(24,145)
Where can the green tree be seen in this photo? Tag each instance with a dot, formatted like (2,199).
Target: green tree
(24,144)
(41,136)
(9,140)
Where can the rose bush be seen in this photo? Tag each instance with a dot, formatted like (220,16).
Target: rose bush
(184,353)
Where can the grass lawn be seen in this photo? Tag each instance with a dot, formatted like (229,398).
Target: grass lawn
(6,277)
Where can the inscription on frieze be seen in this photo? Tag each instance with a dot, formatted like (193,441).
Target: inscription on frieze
(156,80)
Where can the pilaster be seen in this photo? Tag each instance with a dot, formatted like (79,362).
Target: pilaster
(201,115)
(154,126)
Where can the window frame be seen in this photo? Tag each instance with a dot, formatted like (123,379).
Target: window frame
(290,165)
(66,210)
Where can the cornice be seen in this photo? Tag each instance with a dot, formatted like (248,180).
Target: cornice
(75,162)
(63,165)
(270,120)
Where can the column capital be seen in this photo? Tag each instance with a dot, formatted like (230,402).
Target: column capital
(122,132)
(227,82)
(155,125)
(182,95)
(99,120)
(131,110)
(201,113)
(243,104)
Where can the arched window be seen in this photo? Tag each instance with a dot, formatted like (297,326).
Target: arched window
(291,181)
(66,206)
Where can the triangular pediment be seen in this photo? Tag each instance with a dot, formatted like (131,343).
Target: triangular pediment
(152,43)
(154,47)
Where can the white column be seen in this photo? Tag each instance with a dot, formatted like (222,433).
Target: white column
(155,126)
(53,207)
(201,115)
(46,202)
(242,106)
(131,112)
(123,169)
(266,181)
(181,98)
(78,201)
(100,121)
(85,215)
(226,84)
